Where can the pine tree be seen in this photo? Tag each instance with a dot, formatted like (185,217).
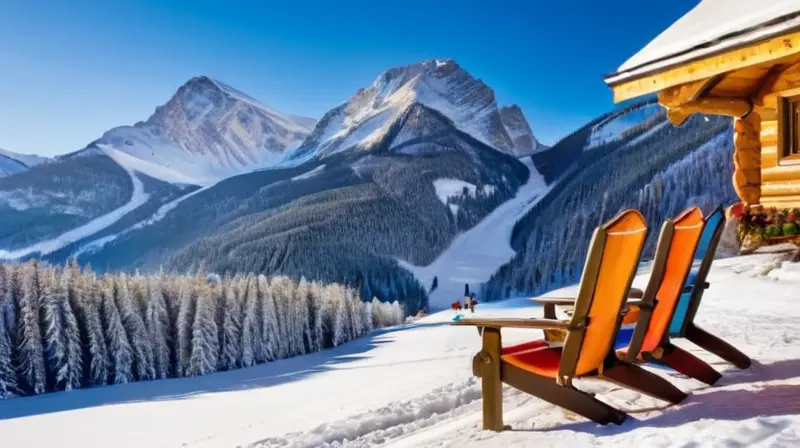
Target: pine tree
(119,348)
(303,307)
(274,343)
(367,317)
(317,310)
(8,377)
(62,335)
(338,315)
(33,373)
(136,330)
(253,346)
(231,348)
(186,312)
(281,295)
(355,314)
(205,346)
(158,327)
(96,356)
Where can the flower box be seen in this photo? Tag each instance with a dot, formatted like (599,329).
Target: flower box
(767,226)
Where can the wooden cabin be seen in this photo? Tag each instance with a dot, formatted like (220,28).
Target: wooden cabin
(738,58)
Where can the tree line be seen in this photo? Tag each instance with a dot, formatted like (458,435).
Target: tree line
(63,327)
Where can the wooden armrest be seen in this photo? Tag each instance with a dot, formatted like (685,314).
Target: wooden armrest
(635,293)
(554,300)
(550,304)
(511,322)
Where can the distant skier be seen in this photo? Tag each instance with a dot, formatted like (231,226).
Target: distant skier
(470,302)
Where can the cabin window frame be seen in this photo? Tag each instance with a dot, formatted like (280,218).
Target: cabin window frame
(789,129)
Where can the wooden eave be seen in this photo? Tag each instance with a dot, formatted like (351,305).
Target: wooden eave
(760,56)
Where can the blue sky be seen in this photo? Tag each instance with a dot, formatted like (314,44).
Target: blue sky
(71,70)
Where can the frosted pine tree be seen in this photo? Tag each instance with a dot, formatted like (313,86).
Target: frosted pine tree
(139,293)
(30,357)
(274,344)
(119,348)
(62,336)
(231,345)
(205,345)
(253,347)
(338,326)
(186,312)
(355,315)
(158,327)
(366,317)
(95,353)
(8,377)
(317,310)
(377,309)
(136,329)
(303,306)
(171,289)
(398,313)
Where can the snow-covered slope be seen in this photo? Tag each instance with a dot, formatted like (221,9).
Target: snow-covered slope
(28,159)
(611,129)
(208,131)
(12,163)
(10,166)
(476,254)
(137,199)
(440,85)
(412,386)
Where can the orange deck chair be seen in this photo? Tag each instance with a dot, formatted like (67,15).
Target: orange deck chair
(671,268)
(547,372)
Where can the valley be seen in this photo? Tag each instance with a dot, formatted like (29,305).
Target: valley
(215,179)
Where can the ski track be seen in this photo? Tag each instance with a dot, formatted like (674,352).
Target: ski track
(138,198)
(162,212)
(476,254)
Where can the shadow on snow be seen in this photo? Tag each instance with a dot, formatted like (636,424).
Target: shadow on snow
(261,376)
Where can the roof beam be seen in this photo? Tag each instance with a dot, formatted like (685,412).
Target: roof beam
(681,94)
(707,66)
(732,107)
(784,78)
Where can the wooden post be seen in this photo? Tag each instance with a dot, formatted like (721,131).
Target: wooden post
(747,158)
(491,383)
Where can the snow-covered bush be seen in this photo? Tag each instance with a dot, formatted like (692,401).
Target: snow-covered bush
(63,328)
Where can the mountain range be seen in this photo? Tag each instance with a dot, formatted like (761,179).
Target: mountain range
(216,180)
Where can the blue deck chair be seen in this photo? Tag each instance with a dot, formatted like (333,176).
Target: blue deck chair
(682,324)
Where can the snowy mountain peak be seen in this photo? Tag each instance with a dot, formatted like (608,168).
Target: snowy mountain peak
(209,130)
(519,130)
(441,85)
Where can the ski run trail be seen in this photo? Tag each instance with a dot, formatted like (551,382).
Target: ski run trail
(476,254)
(412,386)
(138,198)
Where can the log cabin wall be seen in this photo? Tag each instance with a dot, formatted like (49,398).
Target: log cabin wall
(780,179)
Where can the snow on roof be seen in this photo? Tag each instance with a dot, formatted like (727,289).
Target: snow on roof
(712,26)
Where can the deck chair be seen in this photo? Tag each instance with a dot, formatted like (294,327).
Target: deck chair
(547,372)
(671,267)
(682,325)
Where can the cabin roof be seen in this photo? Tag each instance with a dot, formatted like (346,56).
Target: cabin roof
(711,27)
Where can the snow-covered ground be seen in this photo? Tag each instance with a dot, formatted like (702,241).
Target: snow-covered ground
(477,253)
(412,386)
